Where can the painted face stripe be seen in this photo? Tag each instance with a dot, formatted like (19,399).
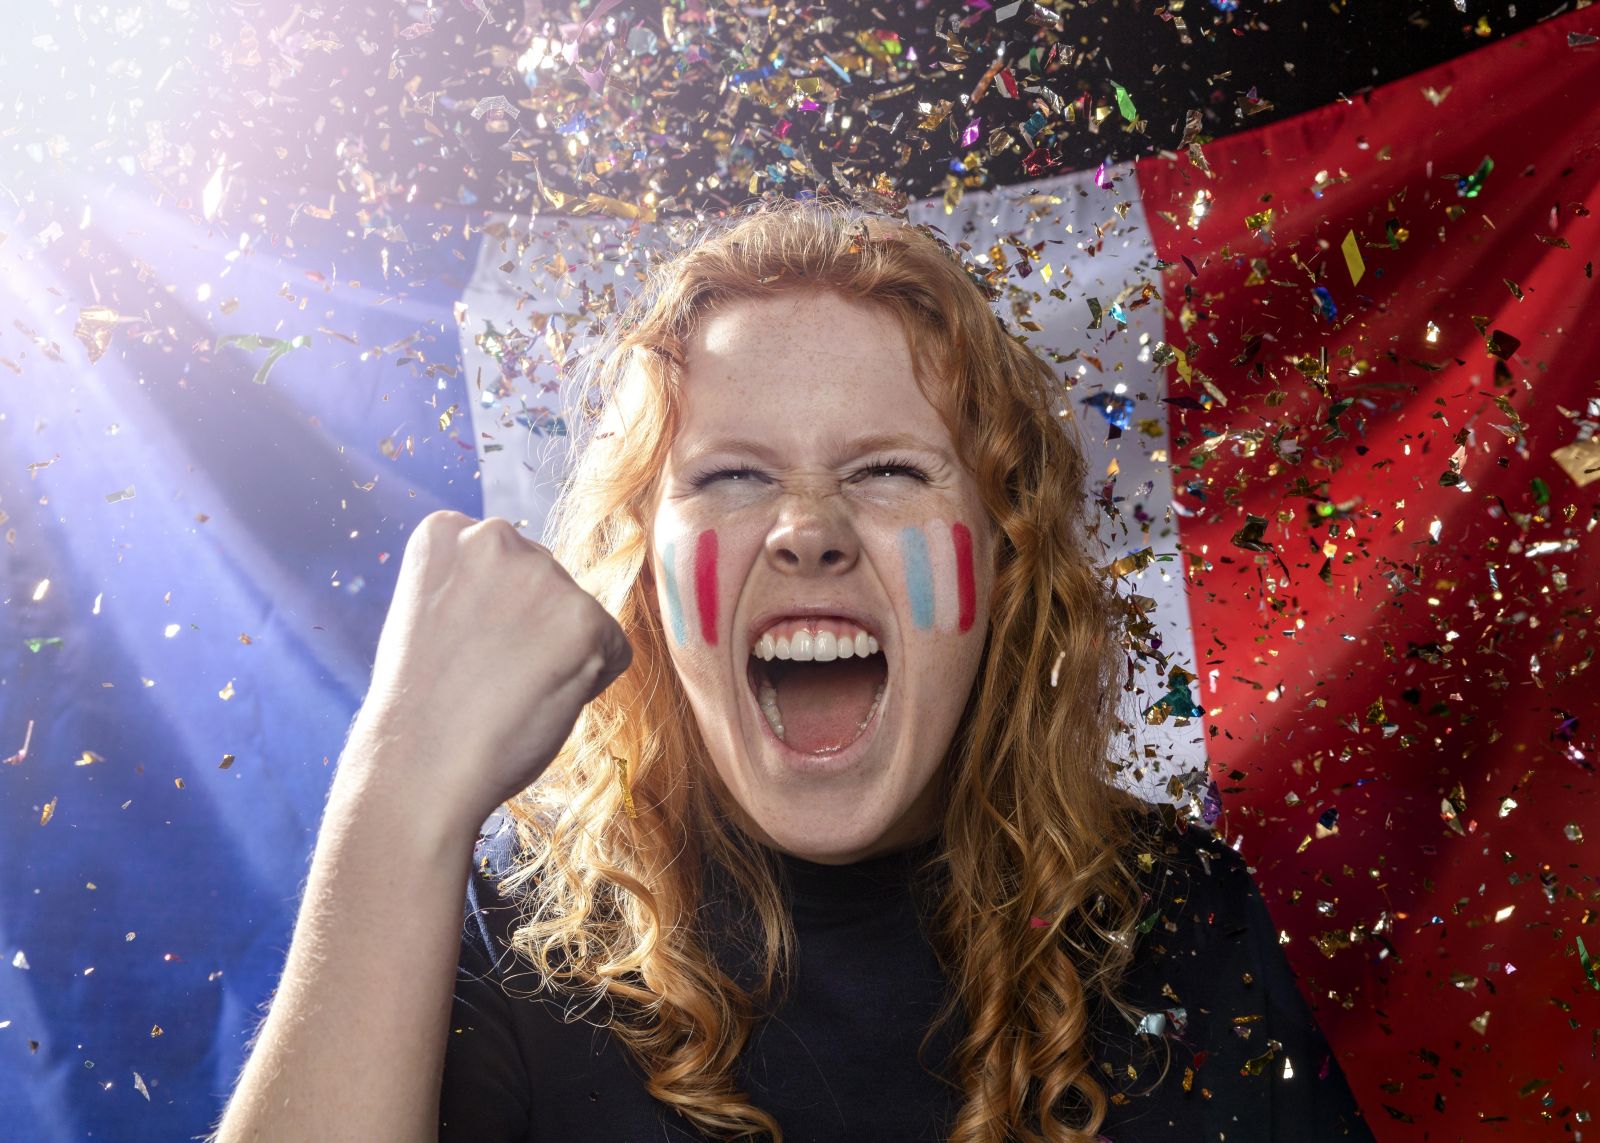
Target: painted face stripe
(705,584)
(669,567)
(942,570)
(966,586)
(919,576)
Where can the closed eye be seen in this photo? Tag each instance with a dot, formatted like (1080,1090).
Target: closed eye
(891,468)
(743,474)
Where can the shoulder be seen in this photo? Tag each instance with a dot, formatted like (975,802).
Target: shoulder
(497,851)
(491,912)
(1188,868)
(1200,912)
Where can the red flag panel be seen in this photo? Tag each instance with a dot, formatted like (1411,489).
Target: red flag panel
(1383,317)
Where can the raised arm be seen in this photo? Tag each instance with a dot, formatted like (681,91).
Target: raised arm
(487,655)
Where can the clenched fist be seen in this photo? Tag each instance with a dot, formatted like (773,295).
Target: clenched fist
(489,651)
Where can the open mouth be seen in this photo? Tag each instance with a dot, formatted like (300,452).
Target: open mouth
(818,707)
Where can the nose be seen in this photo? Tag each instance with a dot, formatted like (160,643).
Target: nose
(811,536)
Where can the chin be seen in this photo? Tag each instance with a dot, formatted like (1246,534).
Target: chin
(859,814)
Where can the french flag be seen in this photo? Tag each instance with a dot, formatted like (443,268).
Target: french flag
(1337,375)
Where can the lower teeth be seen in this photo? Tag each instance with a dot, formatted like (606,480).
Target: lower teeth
(769,707)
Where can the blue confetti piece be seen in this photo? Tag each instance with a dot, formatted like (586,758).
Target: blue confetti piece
(1322,301)
(765,71)
(1115,409)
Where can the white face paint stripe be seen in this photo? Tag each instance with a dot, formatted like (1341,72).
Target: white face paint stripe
(942,564)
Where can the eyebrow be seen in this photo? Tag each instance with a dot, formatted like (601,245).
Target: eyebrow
(871,442)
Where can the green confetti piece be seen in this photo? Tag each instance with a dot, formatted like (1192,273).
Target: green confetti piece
(1588,966)
(38,644)
(1541,491)
(1472,185)
(1124,102)
(276,347)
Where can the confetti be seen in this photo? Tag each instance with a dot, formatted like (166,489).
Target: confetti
(496,105)
(1352,258)
(276,347)
(94,329)
(1580,460)
(1471,186)
(626,787)
(1125,103)
(22,753)
(1117,410)
(1584,959)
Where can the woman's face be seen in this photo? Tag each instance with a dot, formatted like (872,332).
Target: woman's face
(822,564)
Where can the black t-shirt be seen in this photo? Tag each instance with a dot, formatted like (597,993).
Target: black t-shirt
(839,1059)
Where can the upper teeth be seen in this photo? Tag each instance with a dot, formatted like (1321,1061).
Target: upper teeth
(819,646)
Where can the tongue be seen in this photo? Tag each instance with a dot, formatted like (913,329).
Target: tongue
(822,705)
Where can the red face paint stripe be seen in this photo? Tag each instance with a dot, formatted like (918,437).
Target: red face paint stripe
(705,584)
(966,589)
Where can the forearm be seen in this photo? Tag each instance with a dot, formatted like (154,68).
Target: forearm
(353,1046)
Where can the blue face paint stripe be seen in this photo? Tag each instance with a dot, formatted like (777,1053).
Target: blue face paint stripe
(919,576)
(669,565)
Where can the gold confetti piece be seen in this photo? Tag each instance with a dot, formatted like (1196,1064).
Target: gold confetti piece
(1135,561)
(40,590)
(226,692)
(447,416)
(1352,258)
(178,782)
(627,789)
(227,760)
(49,811)
(1480,1023)
(1573,831)
(1580,460)
(94,328)
(156,1030)
(88,758)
